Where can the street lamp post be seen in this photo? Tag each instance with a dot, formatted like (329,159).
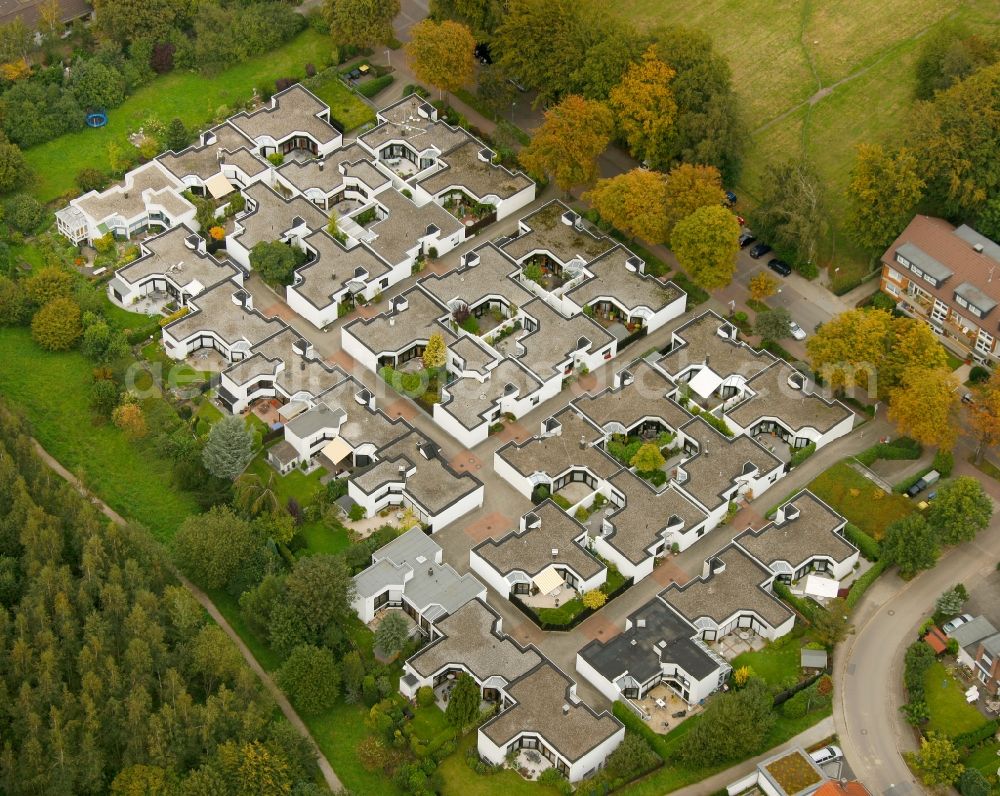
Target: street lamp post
(512,105)
(388,58)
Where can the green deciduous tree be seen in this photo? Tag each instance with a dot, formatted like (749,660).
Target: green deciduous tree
(275,261)
(575,132)
(49,283)
(791,213)
(391,633)
(973,783)
(442,54)
(774,324)
(318,592)
(25,213)
(634,202)
(938,762)
(311,679)
(13,168)
(128,21)
(97,85)
(57,325)
(962,509)
(911,545)
(884,189)
(363,23)
(463,704)
(733,725)
(949,54)
(229,448)
(648,458)
(706,244)
(214,546)
(645,109)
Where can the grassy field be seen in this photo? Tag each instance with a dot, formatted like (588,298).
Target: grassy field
(344,104)
(192,97)
(950,714)
(776,663)
(818,78)
(985,759)
(52,390)
(860,500)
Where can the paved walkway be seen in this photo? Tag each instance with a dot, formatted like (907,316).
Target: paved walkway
(329,776)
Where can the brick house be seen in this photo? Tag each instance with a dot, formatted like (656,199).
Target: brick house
(988,663)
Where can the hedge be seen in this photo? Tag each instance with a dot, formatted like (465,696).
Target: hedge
(806,607)
(900,448)
(861,585)
(974,737)
(906,483)
(870,548)
(372,87)
(802,454)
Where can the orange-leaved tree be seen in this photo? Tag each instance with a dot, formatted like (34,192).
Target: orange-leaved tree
(646,109)
(634,202)
(575,132)
(924,406)
(442,54)
(688,188)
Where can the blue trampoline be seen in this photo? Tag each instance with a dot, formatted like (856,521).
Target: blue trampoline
(97,119)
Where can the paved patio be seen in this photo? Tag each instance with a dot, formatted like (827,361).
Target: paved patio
(530,764)
(737,643)
(659,706)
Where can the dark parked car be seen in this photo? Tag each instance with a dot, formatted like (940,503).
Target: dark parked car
(779,266)
(759,250)
(730,198)
(746,238)
(482,53)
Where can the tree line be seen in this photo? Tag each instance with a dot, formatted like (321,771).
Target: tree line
(112,679)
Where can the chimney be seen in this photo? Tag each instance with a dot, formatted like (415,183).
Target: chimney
(555,552)
(319,165)
(583,442)
(978,248)
(565,710)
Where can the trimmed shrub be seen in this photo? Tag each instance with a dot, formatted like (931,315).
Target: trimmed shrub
(944,463)
(870,548)
(975,737)
(979,375)
(862,584)
(372,87)
(425,696)
(802,454)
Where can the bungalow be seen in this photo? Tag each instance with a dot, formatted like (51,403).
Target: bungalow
(222,160)
(408,573)
(296,120)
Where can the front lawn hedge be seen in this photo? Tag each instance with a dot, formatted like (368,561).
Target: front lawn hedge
(801,454)
(372,87)
(870,548)
(862,584)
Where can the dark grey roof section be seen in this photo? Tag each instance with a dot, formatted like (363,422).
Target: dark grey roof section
(990,248)
(992,645)
(973,632)
(930,266)
(657,635)
(812,659)
(976,297)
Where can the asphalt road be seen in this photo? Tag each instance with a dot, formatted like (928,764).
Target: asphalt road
(868,668)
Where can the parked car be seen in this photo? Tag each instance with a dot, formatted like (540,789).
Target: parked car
(797,331)
(967,398)
(746,238)
(759,250)
(730,198)
(779,266)
(483,54)
(743,221)
(922,484)
(827,754)
(957,622)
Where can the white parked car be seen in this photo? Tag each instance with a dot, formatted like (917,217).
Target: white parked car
(797,331)
(826,755)
(957,622)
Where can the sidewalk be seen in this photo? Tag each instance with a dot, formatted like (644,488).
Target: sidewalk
(716,782)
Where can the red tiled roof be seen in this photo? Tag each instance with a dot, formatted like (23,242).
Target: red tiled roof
(936,237)
(835,788)
(936,640)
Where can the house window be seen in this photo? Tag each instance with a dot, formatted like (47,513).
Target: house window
(902,261)
(894,274)
(891,289)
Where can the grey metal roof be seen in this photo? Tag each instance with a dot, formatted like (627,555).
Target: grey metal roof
(407,547)
(813,659)
(992,644)
(976,297)
(930,266)
(973,632)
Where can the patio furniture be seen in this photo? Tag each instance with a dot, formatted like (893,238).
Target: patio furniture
(660,703)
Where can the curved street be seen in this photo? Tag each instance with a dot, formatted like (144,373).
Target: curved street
(868,667)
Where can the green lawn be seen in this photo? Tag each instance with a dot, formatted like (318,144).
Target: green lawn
(345,106)
(950,714)
(194,98)
(52,390)
(985,759)
(121,318)
(460,780)
(809,48)
(860,500)
(776,663)
(322,538)
(294,485)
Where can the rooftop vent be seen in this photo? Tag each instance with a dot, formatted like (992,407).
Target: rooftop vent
(633,642)
(569,218)
(978,247)
(421,559)
(625,378)
(298,221)
(583,442)
(471,258)
(486,155)
(796,381)
(532,520)
(509,388)
(634,263)
(191,241)
(319,165)
(565,709)
(555,552)
(640,622)
(430,571)
(791,512)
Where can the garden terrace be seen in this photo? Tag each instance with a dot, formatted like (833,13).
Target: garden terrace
(555,339)
(700,343)
(733,584)
(204,160)
(613,281)
(398,330)
(294,112)
(557,453)
(414,121)
(273,216)
(641,523)
(471,638)
(546,231)
(405,224)
(488,278)
(545,707)
(721,463)
(641,395)
(555,541)
(806,529)
(470,401)
(465,169)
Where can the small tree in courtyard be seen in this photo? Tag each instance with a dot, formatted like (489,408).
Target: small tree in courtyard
(435,355)
(762,286)
(463,704)
(391,633)
(594,599)
(648,458)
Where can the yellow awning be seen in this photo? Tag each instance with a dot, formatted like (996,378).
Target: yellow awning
(548,580)
(336,449)
(219,186)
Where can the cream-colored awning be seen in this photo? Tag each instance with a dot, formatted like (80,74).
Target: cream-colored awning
(336,449)
(219,186)
(818,586)
(548,580)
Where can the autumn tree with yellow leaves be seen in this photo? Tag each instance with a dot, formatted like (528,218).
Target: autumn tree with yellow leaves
(706,244)
(566,147)
(984,415)
(634,202)
(442,54)
(689,187)
(762,285)
(885,187)
(924,406)
(645,107)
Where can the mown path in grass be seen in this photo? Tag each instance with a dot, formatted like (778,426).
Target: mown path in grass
(189,96)
(53,390)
